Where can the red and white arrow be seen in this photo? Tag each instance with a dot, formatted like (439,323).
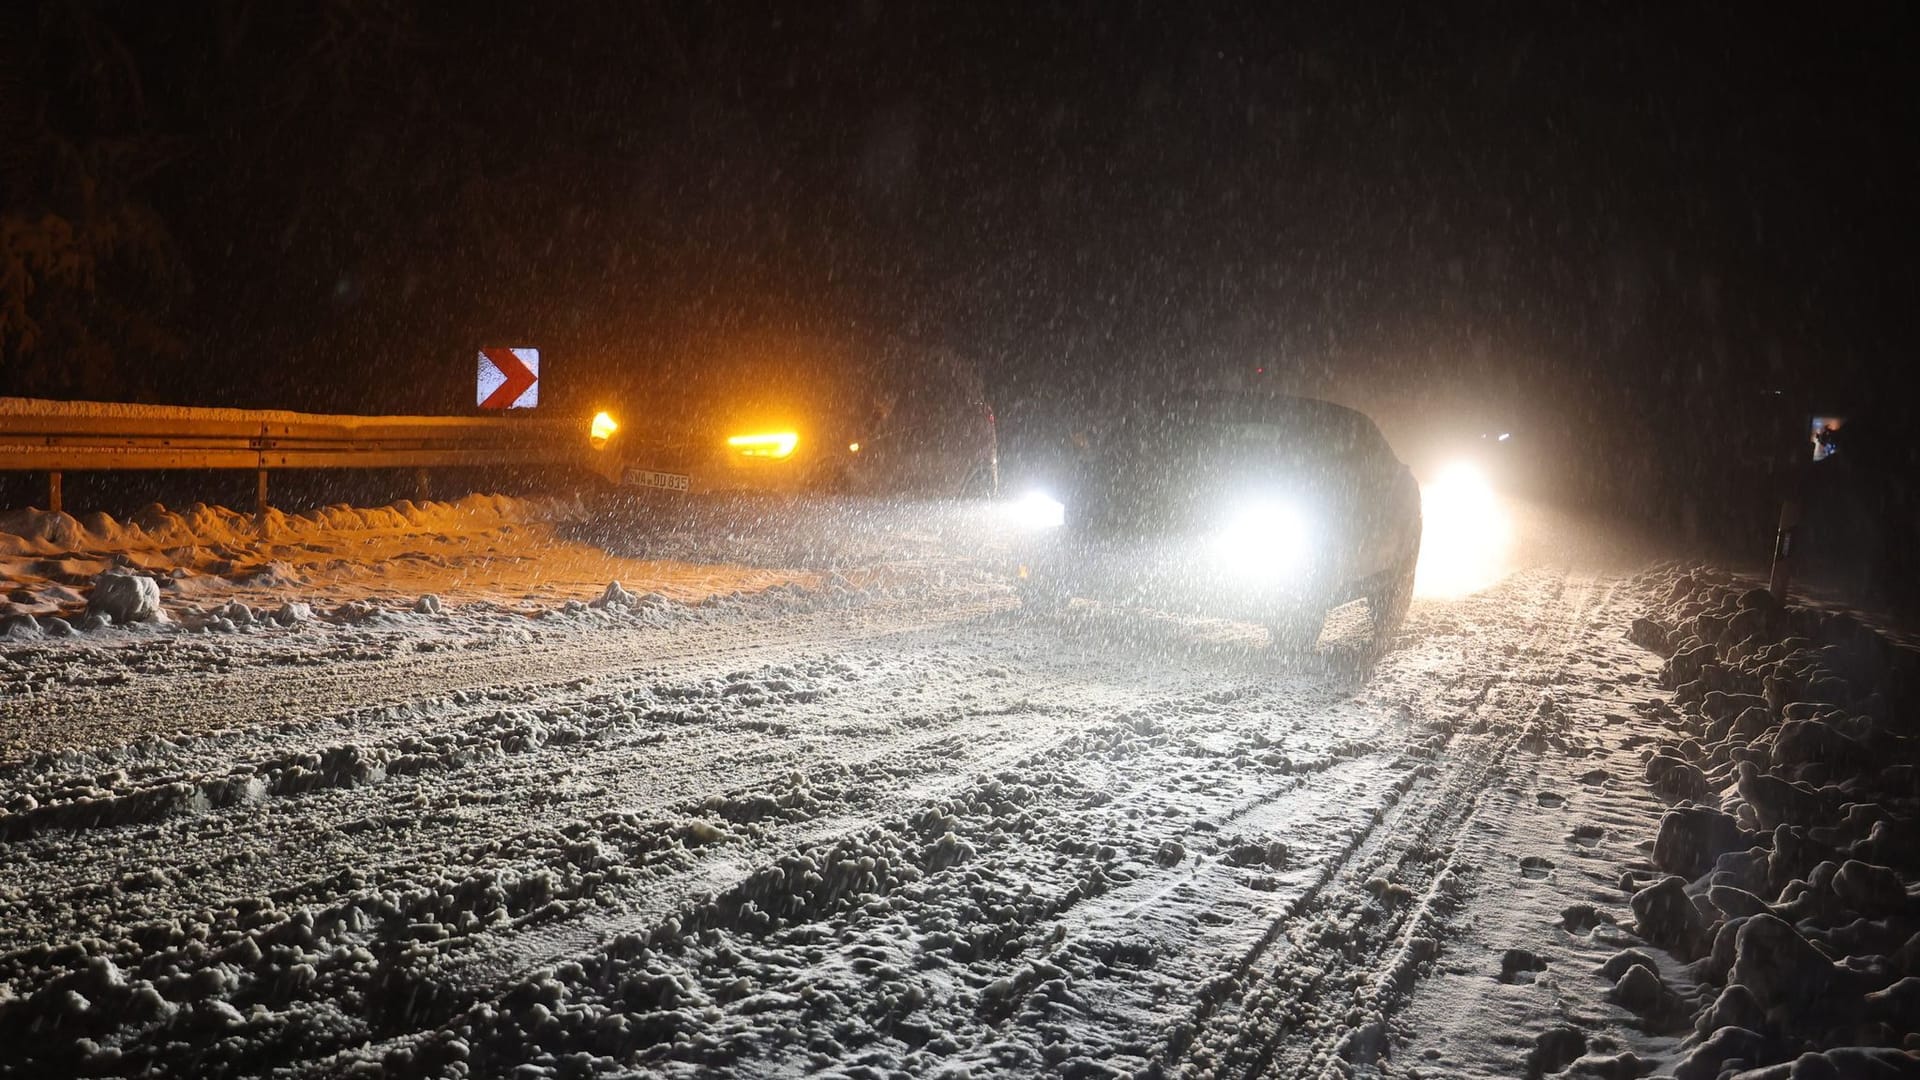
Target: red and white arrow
(508,378)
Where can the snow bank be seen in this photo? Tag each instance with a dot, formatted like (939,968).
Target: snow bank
(161,561)
(41,532)
(1788,862)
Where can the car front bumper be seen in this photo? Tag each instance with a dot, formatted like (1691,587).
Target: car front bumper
(1174,574)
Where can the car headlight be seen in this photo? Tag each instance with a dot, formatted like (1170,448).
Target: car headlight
(601,429)
(764,444)
(1466,530)
(1038,510)
(1264,539)
(1461,490)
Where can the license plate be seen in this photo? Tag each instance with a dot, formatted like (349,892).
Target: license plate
(666,481)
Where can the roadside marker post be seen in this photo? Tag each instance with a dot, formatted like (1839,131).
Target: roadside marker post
(1784,549)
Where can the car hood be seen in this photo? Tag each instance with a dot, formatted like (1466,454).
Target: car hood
(1157,491)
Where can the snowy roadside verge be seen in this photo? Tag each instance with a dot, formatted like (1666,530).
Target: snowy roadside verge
(1784,874)
(112,692)
(30,532)
(60,570)
(322,618)
(162,573)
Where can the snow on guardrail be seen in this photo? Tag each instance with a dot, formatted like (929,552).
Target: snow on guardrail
(38,434)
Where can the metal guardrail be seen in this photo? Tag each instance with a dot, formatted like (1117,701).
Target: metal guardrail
(65,436)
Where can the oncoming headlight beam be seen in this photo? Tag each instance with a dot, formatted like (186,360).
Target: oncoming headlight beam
(1263,539)
(1465,534)
(764,444)
(1038,510)
(601,429)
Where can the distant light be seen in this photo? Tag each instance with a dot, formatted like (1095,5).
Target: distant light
(1466,534)
(1259,371)
(853,448)
(601,430)
(765,444)
(1505,435)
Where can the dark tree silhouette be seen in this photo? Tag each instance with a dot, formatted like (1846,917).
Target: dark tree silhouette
(88,269)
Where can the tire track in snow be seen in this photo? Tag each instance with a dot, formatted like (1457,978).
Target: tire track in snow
(251,689)
(1343,966)
(1066,690)
(886,771)
(1246,696)
(738,750)
(508,960)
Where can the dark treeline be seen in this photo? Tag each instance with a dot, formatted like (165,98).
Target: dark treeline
(1660,237)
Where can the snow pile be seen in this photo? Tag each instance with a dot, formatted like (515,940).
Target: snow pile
(41,532)
(125,597)
(615,596)
(1784,871)
(211,569)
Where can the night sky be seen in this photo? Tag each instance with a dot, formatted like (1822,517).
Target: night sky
(1604,219)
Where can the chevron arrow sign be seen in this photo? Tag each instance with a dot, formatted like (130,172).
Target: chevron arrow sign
(509,379)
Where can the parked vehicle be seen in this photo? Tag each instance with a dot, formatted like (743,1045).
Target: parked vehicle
(910,423)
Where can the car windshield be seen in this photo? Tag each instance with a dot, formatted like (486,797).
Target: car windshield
(1271,429)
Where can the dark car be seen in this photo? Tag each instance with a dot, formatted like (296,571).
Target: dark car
(890,420)
(1267,508)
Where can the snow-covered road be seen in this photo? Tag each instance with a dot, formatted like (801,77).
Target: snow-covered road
(894,828)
